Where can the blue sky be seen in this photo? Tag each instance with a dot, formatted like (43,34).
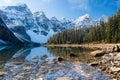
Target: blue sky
(70,9)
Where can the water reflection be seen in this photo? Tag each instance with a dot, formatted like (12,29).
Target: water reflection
(6,53)
(18,53)
(20,65)
(72,53)
(39,52)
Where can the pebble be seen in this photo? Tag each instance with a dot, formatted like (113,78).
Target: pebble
(2,73)
(27,67)
(63,78)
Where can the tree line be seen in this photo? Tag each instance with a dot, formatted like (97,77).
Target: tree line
(105,32)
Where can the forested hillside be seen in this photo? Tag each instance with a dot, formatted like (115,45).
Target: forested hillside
(107,32)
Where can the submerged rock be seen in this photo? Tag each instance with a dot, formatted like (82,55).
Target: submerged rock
(2,73)
(25,68)
(63,78)
(44,57)
(18,62)
(35,59)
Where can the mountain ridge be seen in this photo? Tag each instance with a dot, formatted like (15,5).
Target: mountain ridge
(37,24)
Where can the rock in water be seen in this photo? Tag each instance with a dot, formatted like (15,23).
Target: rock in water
(59,59)
(44,57)
(63,78)
(2,73)
(73,55)
(94,64)
(98,53)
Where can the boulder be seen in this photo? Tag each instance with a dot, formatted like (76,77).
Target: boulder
(73,55)
(116,48)
(117,57)
(115,69)
(98,53)
(94,64)
(59,59)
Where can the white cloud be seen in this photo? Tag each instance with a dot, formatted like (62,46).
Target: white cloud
(7,1)
(79,4)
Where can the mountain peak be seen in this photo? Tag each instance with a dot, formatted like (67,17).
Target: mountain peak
(54,19)
(40,17)
(39,13)
(86,16)
(22,5)
(103,18)
(84,21)
(19,7)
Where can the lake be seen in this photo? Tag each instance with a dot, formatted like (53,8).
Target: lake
(48,63)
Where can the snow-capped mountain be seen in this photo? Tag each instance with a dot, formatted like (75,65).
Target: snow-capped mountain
(103,18)
(87,21)
(67,23)
(83,21)
(36,26)
(19,15)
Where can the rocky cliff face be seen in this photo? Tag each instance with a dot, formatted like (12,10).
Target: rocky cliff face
(14,36)
(6,35)
(19,15)
(20,32)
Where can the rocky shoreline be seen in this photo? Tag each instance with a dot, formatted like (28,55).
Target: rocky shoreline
(108,61)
